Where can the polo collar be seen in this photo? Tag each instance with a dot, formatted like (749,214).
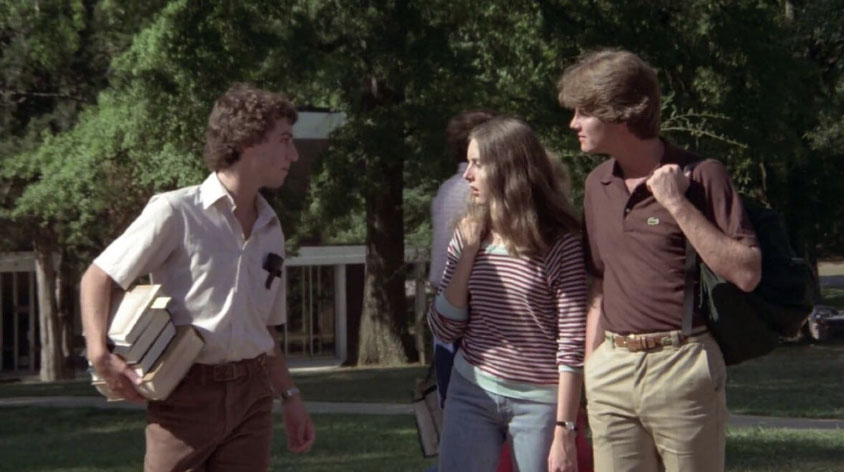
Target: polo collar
(610,172)
(670,155)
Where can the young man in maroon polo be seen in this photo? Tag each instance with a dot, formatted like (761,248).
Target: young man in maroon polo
(655,397)
(209,246)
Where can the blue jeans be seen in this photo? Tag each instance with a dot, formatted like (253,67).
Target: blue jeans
(477,422)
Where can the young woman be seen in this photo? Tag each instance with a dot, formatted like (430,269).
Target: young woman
(514,288)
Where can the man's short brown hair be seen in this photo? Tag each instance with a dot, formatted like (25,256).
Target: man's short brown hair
(241,118)
(459,128)
(615,86)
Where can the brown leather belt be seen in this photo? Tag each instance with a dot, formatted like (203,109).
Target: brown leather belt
(228,371)
(651,341)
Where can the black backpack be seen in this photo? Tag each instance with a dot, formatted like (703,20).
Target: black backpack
(749,324)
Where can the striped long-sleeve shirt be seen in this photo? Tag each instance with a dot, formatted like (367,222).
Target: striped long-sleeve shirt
(526,319)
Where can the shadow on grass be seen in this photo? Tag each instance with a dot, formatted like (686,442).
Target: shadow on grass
(47,389)
(757,450)
(387,385)
(54,439)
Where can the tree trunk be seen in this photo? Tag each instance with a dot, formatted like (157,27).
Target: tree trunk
(65,301)
(789,11)
(50,331)
(384,305)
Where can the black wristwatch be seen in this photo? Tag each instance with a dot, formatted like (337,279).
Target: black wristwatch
(287,394)
(569,425)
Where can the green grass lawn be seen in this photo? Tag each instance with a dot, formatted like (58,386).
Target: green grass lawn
(387,385)
(78,440)
(770,450)
(802,380)
(834,297)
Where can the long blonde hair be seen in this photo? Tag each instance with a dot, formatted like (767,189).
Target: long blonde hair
(528,203)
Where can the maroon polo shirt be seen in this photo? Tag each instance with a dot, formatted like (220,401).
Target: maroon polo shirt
(637,248)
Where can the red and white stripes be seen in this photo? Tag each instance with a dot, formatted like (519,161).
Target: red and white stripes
(527,315)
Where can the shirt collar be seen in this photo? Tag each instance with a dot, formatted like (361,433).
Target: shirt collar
(212,190)
(266,214)
(670,155)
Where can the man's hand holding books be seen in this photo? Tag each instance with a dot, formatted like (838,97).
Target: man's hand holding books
(147,355)
(119,378)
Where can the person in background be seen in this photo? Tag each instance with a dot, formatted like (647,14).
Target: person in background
(514,293)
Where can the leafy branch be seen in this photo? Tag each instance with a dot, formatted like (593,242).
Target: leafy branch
(697,124)
(22,93)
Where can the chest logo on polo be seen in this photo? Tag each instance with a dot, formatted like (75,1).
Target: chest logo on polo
(653,221)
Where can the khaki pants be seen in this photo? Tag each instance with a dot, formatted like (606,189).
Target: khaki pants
(218,419)
(662,409)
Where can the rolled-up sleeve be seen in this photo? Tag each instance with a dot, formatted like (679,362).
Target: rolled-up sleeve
(724,202)
(567,271)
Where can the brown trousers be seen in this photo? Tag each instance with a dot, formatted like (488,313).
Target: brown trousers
(659,410)
(218,419)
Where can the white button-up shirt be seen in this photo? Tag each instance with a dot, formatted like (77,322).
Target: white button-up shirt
(191,243)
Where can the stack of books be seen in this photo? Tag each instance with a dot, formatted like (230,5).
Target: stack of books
(143,334)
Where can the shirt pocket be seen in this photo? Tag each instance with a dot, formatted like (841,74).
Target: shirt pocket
(263,286)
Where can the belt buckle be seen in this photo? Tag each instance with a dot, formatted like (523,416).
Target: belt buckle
(224,372)
(633,343)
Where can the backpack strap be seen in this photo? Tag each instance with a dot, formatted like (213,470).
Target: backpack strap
(689,289)
(691,271)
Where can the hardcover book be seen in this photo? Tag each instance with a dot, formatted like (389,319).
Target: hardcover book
(165,374)
(155,350)
(129,312)
(159,318)
(173,364)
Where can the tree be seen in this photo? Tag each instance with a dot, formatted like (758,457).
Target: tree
(104,105)
(73,179)
(400,70)
(55,59)
(816,35)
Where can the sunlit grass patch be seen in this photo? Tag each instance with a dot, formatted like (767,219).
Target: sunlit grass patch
(757,450)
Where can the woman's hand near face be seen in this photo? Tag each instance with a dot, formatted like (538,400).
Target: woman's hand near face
(471,232)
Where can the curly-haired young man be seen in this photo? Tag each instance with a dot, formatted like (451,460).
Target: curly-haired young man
(207,245)
(655,396)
